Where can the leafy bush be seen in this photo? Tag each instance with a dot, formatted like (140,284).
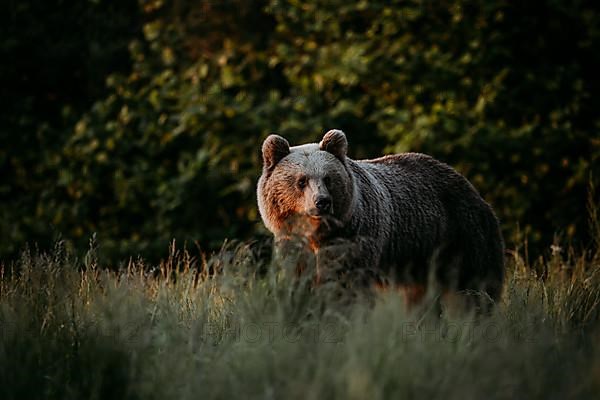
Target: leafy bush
(499,90)
(56,55)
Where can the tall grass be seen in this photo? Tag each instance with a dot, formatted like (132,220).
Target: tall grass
(73,329)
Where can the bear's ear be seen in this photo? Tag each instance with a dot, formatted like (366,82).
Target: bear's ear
(274,148)
(335,143)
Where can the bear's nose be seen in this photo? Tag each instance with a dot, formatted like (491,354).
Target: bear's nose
(323,203)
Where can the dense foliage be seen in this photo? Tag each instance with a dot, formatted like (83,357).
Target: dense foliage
(504,91)
(55,56)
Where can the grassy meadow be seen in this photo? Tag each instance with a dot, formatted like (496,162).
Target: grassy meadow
(142,122)
(71,328)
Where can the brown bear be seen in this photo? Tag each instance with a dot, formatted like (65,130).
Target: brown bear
(409,217)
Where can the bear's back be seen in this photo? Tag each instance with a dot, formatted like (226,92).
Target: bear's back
(419,174)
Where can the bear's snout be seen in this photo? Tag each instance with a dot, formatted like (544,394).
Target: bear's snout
(323,204)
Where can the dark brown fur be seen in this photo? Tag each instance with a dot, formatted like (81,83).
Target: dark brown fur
(408,217)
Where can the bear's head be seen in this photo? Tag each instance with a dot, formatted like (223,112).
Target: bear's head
(305,190)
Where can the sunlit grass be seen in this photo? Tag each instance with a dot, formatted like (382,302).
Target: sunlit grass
(72,329)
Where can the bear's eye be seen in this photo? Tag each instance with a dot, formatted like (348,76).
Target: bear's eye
(302,182)
(327,180)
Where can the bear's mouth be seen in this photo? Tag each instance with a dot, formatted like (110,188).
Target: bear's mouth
(323,224)
(317,215)
(320,211)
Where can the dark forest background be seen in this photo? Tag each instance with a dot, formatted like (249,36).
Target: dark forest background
(142,121)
